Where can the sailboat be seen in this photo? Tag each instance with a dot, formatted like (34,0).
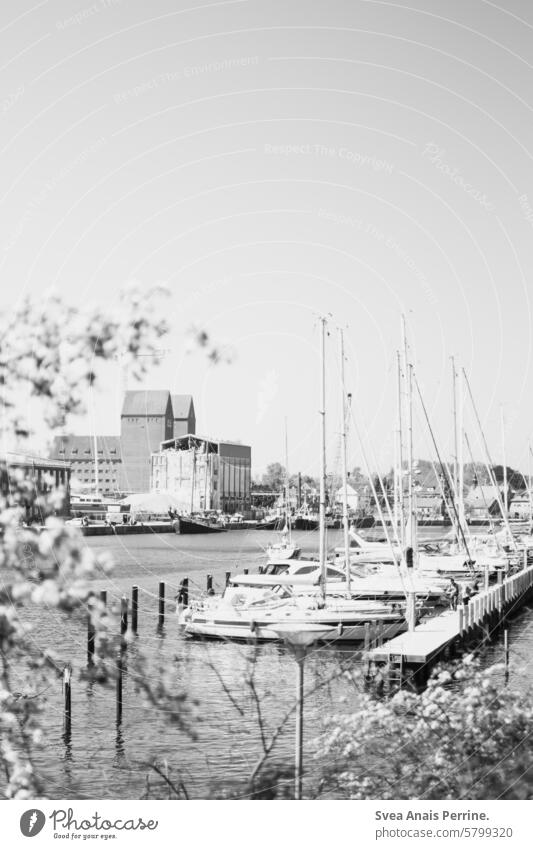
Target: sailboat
(286,548)
(254,612)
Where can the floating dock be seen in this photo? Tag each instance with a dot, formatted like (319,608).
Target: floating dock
(433,637)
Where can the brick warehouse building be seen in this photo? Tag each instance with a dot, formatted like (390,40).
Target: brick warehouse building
(79,452)
(148,418)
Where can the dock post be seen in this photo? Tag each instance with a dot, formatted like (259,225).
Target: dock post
(123,615)
(506,652)
(134,607)
(120,670)
(209,585)
(411,611)
(228,576)
(161,613)
(91,634)
(67,699)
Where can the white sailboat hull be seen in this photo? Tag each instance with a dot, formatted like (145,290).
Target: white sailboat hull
(351,631)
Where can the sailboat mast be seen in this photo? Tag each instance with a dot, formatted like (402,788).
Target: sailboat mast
(460,457)
(529,483)
(455,437)
(193,478)
(344,467)
(504,463)
(401,509)
(287,486)
(322,411)
(408,374)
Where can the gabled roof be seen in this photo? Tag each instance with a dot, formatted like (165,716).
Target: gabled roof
(145,402)
(350,491)
(481,496)
(182,405)
(82,447)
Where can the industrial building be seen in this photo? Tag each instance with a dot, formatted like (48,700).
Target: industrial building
(122,464)
(78,451)
(203,474)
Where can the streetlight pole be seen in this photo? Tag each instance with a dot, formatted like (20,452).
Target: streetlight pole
(298,638)
(299,656)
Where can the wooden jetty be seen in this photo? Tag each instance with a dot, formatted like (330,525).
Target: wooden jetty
(433,637)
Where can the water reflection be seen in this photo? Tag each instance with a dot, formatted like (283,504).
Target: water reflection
(215,676)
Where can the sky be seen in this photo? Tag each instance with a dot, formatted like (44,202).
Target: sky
(273,162)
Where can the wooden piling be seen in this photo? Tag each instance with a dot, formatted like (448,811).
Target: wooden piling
(120,672)
(91,634)
(67,700)
(506,652)
(123,615)
(161,614)
(134,607)
(367,636)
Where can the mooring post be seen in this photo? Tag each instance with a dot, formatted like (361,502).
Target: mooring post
(91,634)
(161,616)
(120,671)
(134,607)
(411,611)
(123,615)
(209,583)
(228,576)
(506,652)
(67,699)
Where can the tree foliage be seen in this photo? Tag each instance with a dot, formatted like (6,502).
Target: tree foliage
(466,736)
(50,350)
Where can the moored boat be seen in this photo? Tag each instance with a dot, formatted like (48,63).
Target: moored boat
(195,525)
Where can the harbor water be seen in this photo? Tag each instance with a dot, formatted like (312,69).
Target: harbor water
(216,754)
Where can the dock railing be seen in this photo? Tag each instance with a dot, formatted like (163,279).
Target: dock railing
(494,599)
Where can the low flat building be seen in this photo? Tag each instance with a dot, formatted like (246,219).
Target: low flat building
(46,475)
(203,474)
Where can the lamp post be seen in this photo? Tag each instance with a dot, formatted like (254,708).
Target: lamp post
(298,638)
